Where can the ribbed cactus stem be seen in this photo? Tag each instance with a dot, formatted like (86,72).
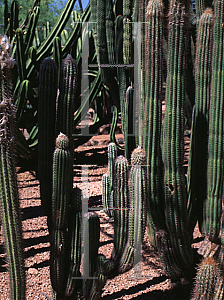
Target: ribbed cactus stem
(129,132)
(61,195)
(121,205)
(59,261)
(136,212)
(92,223)
(174,178)
(74,237)
(62,182)
(9,197)
(106,193)
(108,181)
(212,207)
(207,275)
(112,155)
(152,112)
(66,100)
(197,166)
(46,134)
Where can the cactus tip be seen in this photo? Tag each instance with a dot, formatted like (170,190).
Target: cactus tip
(208,11)
(62,141)
(138,156)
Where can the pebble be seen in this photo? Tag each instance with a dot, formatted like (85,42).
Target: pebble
(33,271)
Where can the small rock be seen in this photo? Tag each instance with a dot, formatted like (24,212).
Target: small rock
(33,271)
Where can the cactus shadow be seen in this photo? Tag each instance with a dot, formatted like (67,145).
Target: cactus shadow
(179,291)
(31,212)
(91,157)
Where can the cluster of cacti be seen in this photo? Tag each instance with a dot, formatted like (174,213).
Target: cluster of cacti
(30,49)
(174,205)
(9,197)
(128,205)
(154,190)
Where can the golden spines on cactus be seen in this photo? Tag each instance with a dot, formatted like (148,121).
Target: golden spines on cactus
(138,156)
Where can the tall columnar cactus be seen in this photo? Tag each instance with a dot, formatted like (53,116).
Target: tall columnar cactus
(66,100)
(197,166)
(121,205)
(46,124)
(173,150)
(152,112)
(62,187)
(212,207)
(9,198)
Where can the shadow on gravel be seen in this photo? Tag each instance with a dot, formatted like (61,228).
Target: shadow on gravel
(178,291)
(32,251)
(31,212)
(90,156)
(37,240)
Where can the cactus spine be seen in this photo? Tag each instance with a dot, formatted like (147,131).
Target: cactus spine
(9,198)
(207,275)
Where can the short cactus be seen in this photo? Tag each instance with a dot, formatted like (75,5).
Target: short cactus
(207,275)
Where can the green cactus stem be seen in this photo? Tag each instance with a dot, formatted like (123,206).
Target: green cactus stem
(212,207)
(128,133)
(106,193)
(206,278)
(59,261)
(75,254)
(136,212)
(121,205)
(46,134)
(152,116)
(9,197)
(62,182)
(173,150)
(60,264)
(197,166)
(92,222)
(66,100)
